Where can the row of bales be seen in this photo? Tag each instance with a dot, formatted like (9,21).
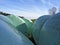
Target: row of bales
(17,30)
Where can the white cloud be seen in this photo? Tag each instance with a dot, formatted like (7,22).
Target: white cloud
(35,13)
(48,2)
(51,4)
(26,14)
(43,1)
(40,11)
(24,1)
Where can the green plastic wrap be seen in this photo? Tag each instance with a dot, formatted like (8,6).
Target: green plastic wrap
(16,20)
(29,25)
(19,24)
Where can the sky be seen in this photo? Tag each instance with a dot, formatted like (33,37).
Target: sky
(30,9)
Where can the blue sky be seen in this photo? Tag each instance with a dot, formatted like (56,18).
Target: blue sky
(28,8)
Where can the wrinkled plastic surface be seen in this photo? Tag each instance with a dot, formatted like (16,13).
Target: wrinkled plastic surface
(9,37)
(29,25)
(38,26)
(6,19)
(19,24)
(16,20)
(50,33)
(23,28)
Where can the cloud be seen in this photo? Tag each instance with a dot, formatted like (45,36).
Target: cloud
(26,1)
(26,14)
(39,10)
(48,2)
(22,11)
(43,1)
(51,4)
